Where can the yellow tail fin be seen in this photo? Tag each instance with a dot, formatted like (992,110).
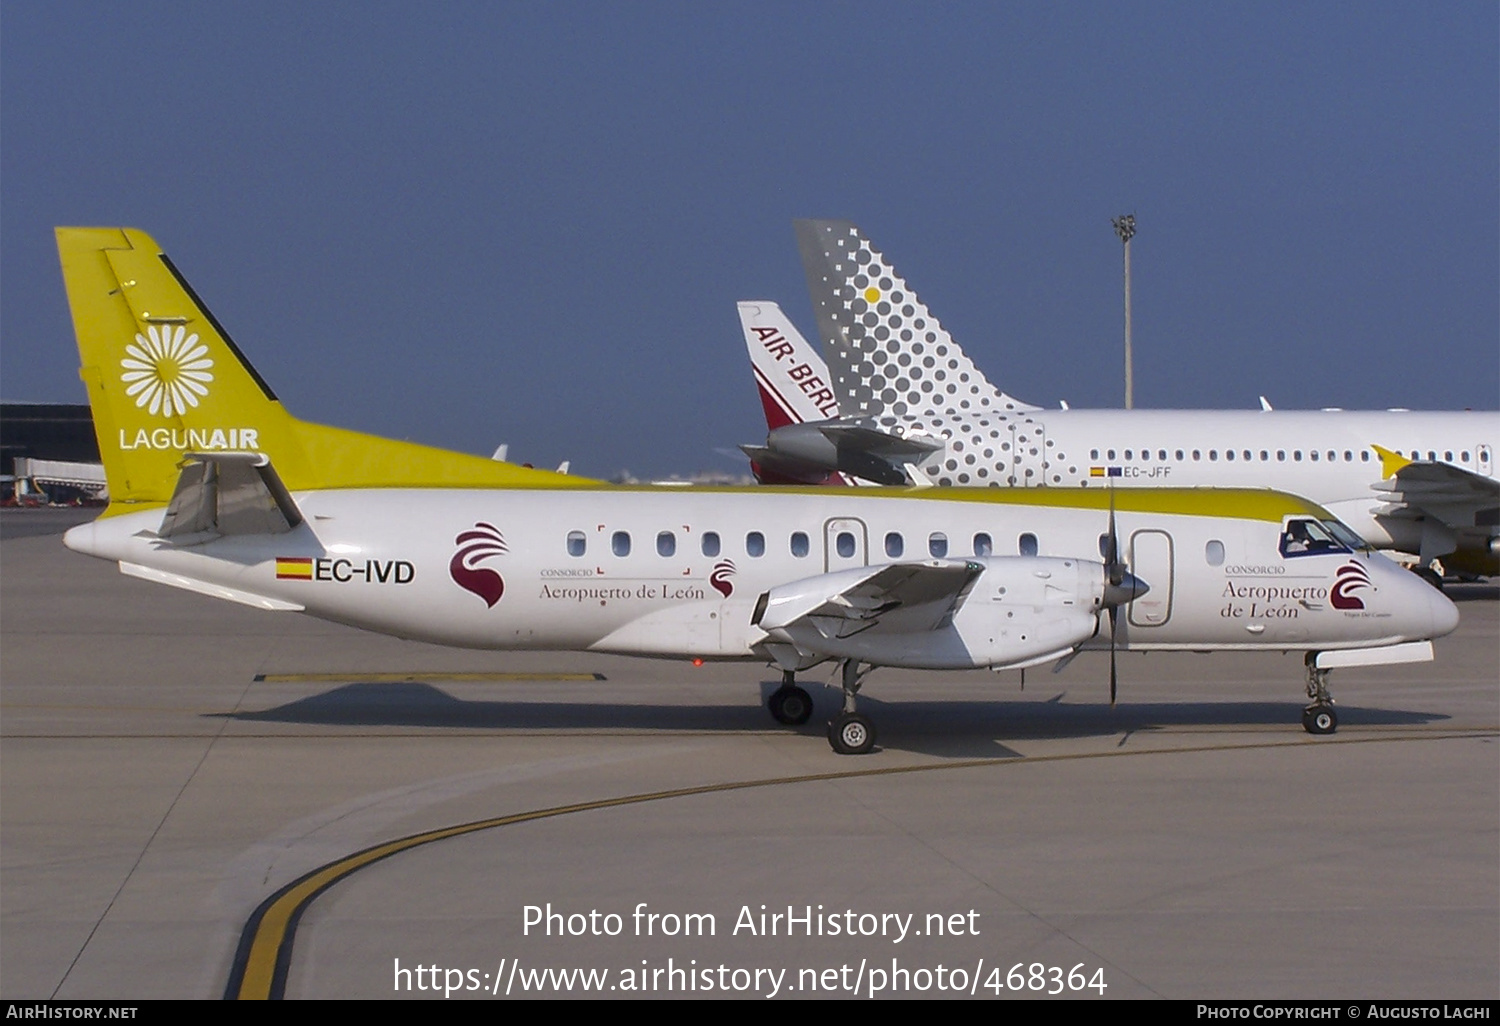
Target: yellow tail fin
(165,379)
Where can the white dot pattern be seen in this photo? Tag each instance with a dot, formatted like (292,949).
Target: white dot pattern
(892,361)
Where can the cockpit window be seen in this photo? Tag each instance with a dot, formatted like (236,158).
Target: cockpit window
(1309,538)
(1346,535)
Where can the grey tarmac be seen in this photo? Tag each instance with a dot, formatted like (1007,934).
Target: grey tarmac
(1192,842)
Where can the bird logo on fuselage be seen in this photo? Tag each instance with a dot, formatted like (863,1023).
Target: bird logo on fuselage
(475,544)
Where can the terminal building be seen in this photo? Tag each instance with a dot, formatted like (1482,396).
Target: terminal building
(48,453)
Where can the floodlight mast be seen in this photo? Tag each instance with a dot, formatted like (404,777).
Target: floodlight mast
(1125,229)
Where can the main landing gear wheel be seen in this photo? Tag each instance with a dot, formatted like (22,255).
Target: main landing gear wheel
(851,734)
(1320,719)
(790,705)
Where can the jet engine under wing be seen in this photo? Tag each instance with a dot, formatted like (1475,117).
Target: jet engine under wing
(223,493)
(899,597)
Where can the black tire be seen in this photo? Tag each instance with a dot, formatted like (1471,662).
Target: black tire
(792,706)
(851,734)
(1320,719)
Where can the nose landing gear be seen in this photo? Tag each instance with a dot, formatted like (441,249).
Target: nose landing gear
(1319,717)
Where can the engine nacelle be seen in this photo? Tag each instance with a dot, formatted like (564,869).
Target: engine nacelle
(993,611)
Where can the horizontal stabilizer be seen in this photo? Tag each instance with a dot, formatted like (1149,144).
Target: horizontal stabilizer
(246,598)
(224,493)
(899,449)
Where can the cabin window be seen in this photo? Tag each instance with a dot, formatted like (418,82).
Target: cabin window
(1161,454)
(937,544)
(1111,454)
(619,543)
(577,543)
(1213,454)
(1104,546)
(1026,544)
(1313,455)
(983,545)
(1464,455)
(1348,456)
(1296,455)
(894,545)
(1229,454)
(666,544)
(1281,455)
(1332,456)
(1093,454)
(1197,455)
(799,544)
(1213,552)
(755,544)
(1448,456)
(844,544)
(1264,456)
(1179,454)
(711,543)
(1127,453)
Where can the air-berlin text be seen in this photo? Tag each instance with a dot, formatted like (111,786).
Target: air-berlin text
(803,374)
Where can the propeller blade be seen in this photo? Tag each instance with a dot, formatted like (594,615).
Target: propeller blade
(1114,626)
(1113,566)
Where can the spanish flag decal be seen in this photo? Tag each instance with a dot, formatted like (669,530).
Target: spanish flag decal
(295,568)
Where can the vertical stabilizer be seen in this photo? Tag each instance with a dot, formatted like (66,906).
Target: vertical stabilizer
(886,352)
(165,380)
(790,375)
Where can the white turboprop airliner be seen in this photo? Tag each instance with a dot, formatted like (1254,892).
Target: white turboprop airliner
(215,488)
(912,407)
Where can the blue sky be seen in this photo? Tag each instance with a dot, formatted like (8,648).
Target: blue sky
(468,223)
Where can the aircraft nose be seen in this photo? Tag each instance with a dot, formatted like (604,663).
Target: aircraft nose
(1442,612)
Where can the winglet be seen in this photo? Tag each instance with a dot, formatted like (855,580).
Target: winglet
(1390,462)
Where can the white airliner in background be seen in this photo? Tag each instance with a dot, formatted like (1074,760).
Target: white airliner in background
(911,407)
(216,489)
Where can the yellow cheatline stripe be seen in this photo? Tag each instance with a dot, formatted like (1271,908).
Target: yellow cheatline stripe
(1237,503)
(264,956)
(414,678)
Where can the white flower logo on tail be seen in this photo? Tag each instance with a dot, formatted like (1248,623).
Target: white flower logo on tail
(167,370)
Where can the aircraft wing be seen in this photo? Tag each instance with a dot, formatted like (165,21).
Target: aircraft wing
(900,597)
(1459,498)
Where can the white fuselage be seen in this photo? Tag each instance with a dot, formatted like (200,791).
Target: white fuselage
(678,573)
(1324,456)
